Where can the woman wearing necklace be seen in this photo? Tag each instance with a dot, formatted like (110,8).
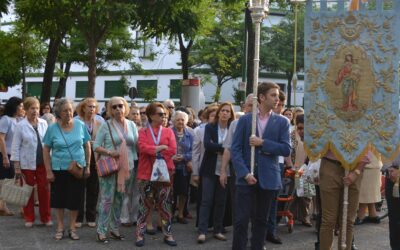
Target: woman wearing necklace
(155,140)
(119,144)
(27,155)
(12,114)
(182,161)
(68,140)
(213,195)
(87,110)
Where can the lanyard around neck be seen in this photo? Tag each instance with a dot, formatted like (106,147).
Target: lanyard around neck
(222,135)
(156,141)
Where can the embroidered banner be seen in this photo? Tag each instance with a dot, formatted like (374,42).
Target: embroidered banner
(351,79)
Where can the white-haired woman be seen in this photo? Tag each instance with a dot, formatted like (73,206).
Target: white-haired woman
(68,140)
(112,187)
(182,161)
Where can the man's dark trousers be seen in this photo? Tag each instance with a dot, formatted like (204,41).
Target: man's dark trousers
(394,215)
(255,203)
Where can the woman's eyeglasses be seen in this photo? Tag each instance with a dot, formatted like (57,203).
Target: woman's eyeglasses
(142,113)
(162,114)
(120,106)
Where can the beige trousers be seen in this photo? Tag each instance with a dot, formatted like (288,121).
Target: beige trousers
(331,186)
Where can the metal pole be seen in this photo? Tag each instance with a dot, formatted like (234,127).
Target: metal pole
(344,217)
(294,79)
(257,15)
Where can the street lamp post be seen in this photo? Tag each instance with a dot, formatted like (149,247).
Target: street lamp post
(259,10)
(294,79)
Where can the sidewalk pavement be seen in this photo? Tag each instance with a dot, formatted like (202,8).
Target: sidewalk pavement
(14,236)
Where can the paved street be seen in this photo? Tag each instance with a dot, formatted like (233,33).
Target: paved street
(14,236)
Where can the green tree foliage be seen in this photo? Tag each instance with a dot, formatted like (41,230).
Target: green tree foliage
(221,49)
(276,52)
(31,51)
(95,19)
(21,52)
(176,20)
(10,73)
(116,48)
(52,19)
(4,7)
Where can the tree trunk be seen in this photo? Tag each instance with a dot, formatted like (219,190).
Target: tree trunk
(63,81)
(250,52)
(23,67)
(52,53)
(92,68)
(185,56)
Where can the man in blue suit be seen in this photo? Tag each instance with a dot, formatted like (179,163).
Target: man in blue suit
(255,192)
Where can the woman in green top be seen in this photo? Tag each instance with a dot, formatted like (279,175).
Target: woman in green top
(112,187)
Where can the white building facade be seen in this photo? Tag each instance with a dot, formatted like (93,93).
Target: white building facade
(163,73)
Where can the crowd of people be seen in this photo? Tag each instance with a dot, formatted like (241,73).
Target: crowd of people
(207,160)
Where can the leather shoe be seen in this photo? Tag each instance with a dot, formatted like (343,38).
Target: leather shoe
(220,236)
(201,239)
(273,239)
(171,243)
(358,221)
(369,219)
(139,243)
(151,231)
(316,244)
(181,220)
(306,224)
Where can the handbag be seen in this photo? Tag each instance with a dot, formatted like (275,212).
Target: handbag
(312,172)
(304,188)
(160,170)
(107,165)
(74,168)
(13,193)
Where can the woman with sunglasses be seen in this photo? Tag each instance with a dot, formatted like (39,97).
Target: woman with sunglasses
(155,140)
(112,187)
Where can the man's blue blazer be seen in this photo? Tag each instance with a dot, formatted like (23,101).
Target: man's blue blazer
(276,143)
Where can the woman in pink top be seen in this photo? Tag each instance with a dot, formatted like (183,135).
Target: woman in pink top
(155,139)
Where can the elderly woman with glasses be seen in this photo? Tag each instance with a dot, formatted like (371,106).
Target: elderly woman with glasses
(155,140)
(182,161)
(112,187)
(27,155)
(67,140)
(87,110)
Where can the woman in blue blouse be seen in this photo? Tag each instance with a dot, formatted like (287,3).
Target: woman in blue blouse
(68,140)
(182,161)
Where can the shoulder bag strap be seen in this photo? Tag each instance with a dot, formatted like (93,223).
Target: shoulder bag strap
(112,139)
(62,133)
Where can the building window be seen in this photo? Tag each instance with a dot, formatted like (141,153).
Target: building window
(147,89)
(113,88)
(35,89)
(81,89)
(175,88)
